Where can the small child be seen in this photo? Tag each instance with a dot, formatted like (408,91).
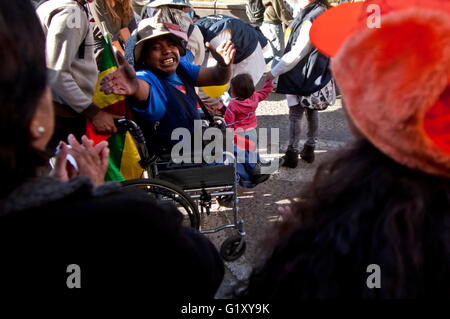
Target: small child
(241,112)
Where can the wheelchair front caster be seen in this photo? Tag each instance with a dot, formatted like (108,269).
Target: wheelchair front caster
(232,248)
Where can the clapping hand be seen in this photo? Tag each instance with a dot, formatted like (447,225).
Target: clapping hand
(92,161)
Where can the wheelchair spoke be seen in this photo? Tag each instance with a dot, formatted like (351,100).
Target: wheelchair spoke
(168,193)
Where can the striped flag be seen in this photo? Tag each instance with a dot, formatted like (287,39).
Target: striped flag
(124,157)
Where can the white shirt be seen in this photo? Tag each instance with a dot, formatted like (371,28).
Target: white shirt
(289,60)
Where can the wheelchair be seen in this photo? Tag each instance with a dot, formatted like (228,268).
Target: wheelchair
(192,188)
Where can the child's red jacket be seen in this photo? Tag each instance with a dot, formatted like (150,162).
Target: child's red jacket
(242,113)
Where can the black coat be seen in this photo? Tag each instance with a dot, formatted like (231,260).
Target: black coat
(122,240)
(312,73)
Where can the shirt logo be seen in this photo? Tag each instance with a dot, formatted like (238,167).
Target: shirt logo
(181,88)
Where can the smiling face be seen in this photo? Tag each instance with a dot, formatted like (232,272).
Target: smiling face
(162,54)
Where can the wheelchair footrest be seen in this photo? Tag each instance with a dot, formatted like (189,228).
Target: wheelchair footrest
(200,177)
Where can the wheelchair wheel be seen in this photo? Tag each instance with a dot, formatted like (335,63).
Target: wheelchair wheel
(167,192)
(232,248)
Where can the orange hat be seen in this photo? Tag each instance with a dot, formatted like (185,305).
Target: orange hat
(394,72)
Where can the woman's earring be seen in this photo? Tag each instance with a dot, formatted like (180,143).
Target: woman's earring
(41,129)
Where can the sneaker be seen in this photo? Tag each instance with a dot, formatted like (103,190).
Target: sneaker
(258,179)
(269,167)
(257,176)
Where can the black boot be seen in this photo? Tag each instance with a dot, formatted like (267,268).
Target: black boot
(307,153)
(290,158)
(256,176)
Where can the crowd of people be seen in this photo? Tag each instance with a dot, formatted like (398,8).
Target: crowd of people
(384,199)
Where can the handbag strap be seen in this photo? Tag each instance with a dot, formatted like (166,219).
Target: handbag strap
(208,115)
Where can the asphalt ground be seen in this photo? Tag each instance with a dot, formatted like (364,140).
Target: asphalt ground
(258,206)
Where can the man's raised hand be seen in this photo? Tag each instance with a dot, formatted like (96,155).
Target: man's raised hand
(123,81)
(224,53)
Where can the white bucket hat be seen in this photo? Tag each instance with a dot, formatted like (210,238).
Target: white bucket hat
(148,29)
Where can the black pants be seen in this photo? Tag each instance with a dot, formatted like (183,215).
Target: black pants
(65,126)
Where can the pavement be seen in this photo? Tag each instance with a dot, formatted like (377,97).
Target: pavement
(258,207)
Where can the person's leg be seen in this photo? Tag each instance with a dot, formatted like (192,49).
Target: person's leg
(265,29)
(244,167)
(277,35)
(247,158)
(295,126)
(312,117)
(290,159)
(251,135)
(271,31)
(280,37)
(250,170)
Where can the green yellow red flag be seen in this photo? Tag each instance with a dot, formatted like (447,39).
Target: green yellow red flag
(124,157)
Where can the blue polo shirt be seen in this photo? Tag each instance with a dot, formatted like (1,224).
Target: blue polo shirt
(157,100)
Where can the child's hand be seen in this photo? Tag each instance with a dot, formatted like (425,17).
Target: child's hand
(269,77)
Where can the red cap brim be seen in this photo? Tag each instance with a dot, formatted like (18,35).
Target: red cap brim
(330,30)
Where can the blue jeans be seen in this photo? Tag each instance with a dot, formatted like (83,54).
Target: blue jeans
(246,165)
(252,135)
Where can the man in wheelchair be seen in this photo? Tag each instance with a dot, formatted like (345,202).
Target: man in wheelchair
(162,95)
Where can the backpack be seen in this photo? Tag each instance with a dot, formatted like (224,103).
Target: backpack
(311,73)
(255,11)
